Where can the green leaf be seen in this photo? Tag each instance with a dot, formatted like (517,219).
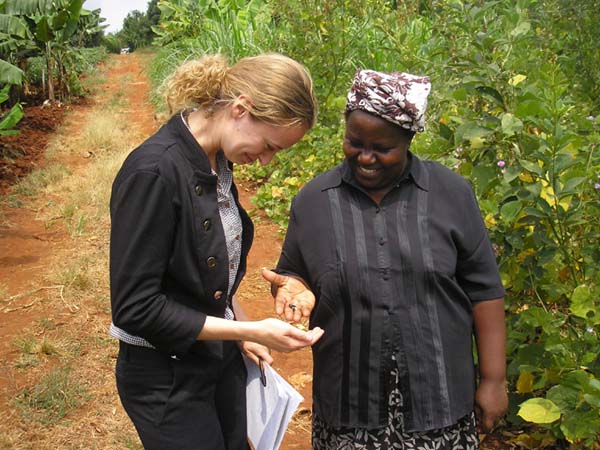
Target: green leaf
(14,26)
(459,94)
(483,175)
(535,213)
(580,425)
(510,210)
(471,132)
(570,185)
(539,410)
(4,93)
(532,167)
(42,30)
(564,161)
(565,398)
(491,94)
(59,20)
(511,124)
(521,29)
(12,117)
(27,7)
(593,400)
(9,132)
(534,188)
(582,302)
(75,8)
(10,74)
(511,172)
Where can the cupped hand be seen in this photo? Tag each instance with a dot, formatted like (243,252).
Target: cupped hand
(491,403)
(293,299)
(283,337)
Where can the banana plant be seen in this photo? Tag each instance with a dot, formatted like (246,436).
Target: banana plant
(12,117)
(50,24)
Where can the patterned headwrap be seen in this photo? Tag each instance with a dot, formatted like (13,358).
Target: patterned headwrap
(397,97)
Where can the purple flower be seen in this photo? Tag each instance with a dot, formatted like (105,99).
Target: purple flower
(589,329)
(596,185)
(501,163)
(592,118)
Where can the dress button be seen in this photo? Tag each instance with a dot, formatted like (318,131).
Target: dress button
(381,241)
(207,224)
(227,205)
(237,237)
(211,262)
(199,190)
(218,295)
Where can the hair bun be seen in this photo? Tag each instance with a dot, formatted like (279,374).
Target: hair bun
(196,82)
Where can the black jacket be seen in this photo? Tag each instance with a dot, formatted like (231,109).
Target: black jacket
(168,256)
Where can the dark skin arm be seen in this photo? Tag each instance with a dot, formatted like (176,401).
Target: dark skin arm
(491,399)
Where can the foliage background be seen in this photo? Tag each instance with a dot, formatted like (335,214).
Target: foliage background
(513,109)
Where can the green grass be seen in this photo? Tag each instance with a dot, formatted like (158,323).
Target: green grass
(38,180)
(46,323)
(52,398)
(31,350)
(12,201)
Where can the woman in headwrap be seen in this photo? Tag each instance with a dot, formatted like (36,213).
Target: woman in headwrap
(390,256)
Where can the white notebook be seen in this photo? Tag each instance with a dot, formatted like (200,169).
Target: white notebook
(269,408)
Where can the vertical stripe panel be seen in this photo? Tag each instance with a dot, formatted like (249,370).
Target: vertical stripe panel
(411,331)
(340,249)
(367,381)
(432,313)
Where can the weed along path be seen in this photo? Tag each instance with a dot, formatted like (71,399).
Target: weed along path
(57,387)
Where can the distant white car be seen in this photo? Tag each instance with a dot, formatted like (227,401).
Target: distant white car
(125,50)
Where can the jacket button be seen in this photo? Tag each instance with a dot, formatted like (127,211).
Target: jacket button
(207,224)
(199,190)
(218,295)
(211,262)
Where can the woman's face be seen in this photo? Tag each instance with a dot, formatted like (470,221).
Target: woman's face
(248,139)
(375,150)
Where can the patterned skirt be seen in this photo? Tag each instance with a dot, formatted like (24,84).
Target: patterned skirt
(460,436)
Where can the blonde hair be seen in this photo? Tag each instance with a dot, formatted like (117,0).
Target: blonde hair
(279,89)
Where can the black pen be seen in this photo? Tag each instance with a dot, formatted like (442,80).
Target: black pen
(263,377)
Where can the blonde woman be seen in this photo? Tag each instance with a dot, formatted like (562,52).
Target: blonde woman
(179,242)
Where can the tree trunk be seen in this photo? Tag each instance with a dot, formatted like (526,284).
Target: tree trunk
(49,64)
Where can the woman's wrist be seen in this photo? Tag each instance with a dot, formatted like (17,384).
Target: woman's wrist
(216,328)
(248,331)
(493,380)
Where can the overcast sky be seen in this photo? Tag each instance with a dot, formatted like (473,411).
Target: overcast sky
(114,11)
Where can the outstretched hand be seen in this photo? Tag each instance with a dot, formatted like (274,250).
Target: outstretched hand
(293,299)
(283,337)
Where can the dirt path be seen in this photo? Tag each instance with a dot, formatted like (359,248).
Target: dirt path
(54,317)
